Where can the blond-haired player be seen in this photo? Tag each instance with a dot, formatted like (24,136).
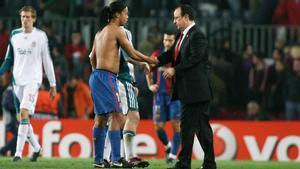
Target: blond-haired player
(28,53)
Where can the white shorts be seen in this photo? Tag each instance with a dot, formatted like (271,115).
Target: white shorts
(128,97)
(27,96)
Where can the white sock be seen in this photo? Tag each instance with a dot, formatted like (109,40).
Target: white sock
(22,134)
(172,156)
(168,145)
(122,151)
(32,140)
(128,141)
(107,149)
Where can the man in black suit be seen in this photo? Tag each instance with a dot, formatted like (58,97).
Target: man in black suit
(191,86)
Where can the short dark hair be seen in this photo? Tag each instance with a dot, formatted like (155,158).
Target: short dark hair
(28,9)
(108,12)
(259,55)
(187,10)
(281,53)
(169,32)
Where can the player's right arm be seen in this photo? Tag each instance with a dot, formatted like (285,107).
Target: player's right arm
(126,45)
(8,61)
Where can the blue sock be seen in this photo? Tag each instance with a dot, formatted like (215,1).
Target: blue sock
(115,141)
(99,140)
(175,143)
(162,135)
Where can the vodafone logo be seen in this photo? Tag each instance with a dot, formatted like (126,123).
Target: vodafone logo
(225,144)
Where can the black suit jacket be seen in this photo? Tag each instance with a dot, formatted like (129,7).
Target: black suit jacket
(192,84)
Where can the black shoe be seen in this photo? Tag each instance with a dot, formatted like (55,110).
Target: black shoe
(178,166)
(170,161)
(122,163)
(139,163)
(35,155)
(99,165)
(16,159)
(106,163)
(206,167)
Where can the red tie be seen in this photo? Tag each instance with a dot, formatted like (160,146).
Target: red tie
(177,47)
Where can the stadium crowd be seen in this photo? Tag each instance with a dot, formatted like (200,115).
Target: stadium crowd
(248,85)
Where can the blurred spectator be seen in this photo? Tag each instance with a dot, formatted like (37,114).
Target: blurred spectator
(153,7)
(219,101)
(77,99)
(264,12)
(280,44)
(11,122)
(247,57)
(92,7)
(61,67)
(254,112)
(4,39)
(226,52)
(1,8)
(221,72)
(57,8)
(76,53)
(233,70)
(152,42)
(53,39)
(287,13)
(242,75)
(275,102)
(12,6)
(87,69)
(235,7)
(287,58)
(258,77)
(45,107)
(292,90)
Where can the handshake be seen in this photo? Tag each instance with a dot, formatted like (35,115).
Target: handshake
(151,64)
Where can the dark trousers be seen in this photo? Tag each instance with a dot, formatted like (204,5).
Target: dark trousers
(195,120)
(11,144)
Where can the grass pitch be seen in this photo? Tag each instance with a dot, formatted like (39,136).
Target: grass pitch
(60,163)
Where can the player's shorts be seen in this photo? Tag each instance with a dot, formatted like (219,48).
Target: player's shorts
(164,109)
(128,96)
(26,96)
(104,91)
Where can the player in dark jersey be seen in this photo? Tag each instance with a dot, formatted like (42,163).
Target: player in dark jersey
(163,108)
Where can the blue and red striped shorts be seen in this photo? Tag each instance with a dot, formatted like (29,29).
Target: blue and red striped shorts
(104,91)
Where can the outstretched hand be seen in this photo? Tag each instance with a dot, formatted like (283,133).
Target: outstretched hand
(169,73)
(153,88)
(152,60)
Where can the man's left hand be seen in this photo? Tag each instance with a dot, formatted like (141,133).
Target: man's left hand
(169,73)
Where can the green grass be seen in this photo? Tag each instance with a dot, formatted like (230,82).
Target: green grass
(60,163)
